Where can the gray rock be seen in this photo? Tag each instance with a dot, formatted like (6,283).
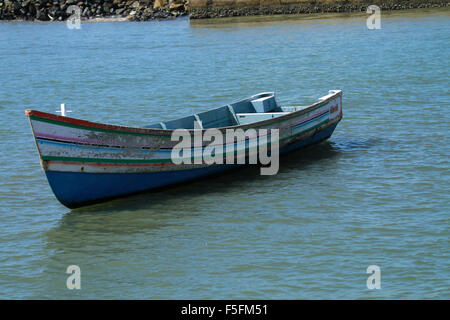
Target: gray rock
(41,15)
(85,12)
(120,11)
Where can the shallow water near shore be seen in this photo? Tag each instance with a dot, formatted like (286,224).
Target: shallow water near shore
(376,193)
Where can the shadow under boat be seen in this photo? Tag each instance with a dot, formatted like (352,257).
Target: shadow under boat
(290,161)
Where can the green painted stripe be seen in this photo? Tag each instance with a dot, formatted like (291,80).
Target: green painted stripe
(130,161)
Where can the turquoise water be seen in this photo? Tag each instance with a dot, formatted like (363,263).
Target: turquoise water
(377,193)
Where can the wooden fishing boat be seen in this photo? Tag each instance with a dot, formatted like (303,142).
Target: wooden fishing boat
(87,162)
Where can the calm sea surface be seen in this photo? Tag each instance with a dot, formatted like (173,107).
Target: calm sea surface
(377,193)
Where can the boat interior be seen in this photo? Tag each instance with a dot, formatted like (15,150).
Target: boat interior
(259,107)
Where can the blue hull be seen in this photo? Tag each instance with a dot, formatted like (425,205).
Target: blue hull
(75,189)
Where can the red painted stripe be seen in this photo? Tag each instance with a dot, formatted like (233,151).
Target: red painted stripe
(85,123)
(111,164)
(89,124)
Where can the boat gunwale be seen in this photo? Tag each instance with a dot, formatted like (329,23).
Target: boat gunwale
(121,129)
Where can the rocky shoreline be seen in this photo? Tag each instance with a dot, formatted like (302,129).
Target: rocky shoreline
(143,10)
(96,10)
